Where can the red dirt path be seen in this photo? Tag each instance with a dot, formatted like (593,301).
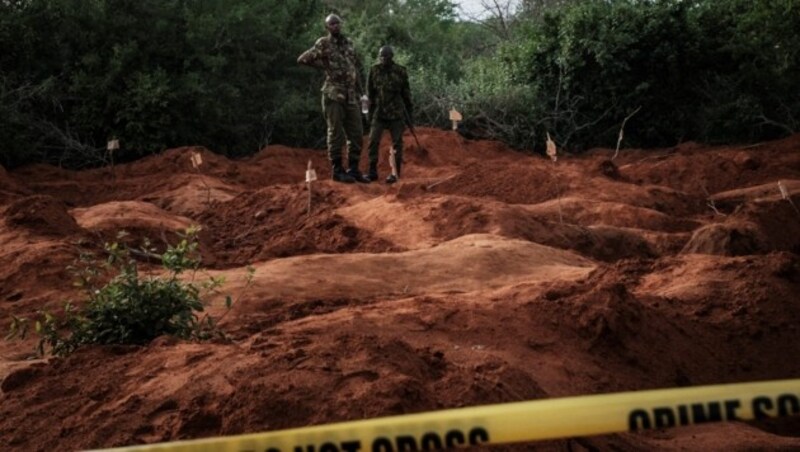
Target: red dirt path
(484,276)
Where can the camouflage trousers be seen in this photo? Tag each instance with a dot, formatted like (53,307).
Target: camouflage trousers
(344,121)
(377,127)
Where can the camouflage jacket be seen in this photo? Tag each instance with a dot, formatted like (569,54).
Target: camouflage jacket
(389,92)
(343,70)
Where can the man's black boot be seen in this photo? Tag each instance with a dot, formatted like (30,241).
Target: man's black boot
(398,165)
(357,176)
(373,173)
(339,175)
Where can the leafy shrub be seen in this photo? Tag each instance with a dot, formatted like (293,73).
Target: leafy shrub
(153,73)
(131,308)
(493,104)
(717,70)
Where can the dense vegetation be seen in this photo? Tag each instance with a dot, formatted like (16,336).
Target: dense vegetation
(222,73)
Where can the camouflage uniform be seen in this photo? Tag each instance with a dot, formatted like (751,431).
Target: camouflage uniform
(340,95)
(390,97)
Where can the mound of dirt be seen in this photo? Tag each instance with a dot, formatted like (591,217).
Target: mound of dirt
(41,214)
(455,217)
(275,222)
(588,212)
(117,216)
(282,165)
(699,169)
(34,274)
(777,222)
(190,194)
(727,239)
(502,181)
(180,161)
(131,223)
(469,263)
(754,228)
(731,200)
(9,189)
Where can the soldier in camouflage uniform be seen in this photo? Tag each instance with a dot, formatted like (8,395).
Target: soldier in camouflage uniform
(390,106)
(335,55)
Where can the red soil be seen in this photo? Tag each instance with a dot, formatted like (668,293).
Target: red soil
(484,276)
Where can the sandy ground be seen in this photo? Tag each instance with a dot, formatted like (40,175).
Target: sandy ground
(485,276)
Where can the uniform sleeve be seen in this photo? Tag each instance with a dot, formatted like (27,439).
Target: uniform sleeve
(315,56)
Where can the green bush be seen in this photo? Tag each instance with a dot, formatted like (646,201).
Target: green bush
(493,105)
(153,73)
(750,68)
(130,308)
(721,70)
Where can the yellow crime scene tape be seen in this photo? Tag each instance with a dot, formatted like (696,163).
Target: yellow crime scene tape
(520,421)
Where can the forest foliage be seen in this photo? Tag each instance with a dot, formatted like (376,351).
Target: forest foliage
(223,74)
